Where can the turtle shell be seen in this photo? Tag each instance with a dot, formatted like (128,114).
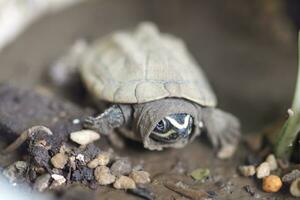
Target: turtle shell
(144,65)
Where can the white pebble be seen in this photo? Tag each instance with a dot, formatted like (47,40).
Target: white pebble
(58,180)
(58,177)
(272,162)
(295,188)
(80,157)
(247,170)
(84,137)
(263,170)
(76,121)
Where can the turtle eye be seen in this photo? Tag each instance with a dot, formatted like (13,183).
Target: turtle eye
(161,126)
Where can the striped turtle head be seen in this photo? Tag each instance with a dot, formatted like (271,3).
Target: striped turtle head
(173,128)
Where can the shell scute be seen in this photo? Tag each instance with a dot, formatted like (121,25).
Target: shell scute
(144,65)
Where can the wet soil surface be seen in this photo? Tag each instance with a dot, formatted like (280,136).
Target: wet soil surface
(169,168)
(25,64)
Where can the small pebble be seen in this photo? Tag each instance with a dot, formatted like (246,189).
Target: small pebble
(59,180)
(76,121)
(103,175)
(42,182)
(121,167)
(84,137)
(59,160)
(295,188)
(272,183)
(263,170)
(290,177)
(247,170)
(124,182)
(272,162)
(102,159)
(16,171)
(80,157)
(140,177)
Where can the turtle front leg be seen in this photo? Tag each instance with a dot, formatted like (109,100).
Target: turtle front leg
(223,129)
(111,118)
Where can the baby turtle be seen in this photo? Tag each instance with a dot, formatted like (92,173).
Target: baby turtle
(159,93)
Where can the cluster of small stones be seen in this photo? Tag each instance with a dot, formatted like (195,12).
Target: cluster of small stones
(120,173)
(271,182)
(75,165)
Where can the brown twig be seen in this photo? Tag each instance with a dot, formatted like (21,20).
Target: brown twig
(24,136)
(184,190)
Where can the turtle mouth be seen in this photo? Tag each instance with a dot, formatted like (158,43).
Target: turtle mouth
(171,137)
(173,128)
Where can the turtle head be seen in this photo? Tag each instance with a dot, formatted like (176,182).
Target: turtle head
(173,128)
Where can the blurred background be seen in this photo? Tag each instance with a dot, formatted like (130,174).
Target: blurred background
(248,49)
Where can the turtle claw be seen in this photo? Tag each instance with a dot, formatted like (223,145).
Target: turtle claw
(227,142)
(223,130)
(92,123)
(89,122)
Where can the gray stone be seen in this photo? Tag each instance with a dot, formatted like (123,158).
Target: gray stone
(42,182)
(121,167)
(16,171)
(290,177)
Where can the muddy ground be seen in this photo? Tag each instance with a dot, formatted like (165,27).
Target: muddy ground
(252,73)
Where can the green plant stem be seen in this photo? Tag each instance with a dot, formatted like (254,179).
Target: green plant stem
(285,142)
